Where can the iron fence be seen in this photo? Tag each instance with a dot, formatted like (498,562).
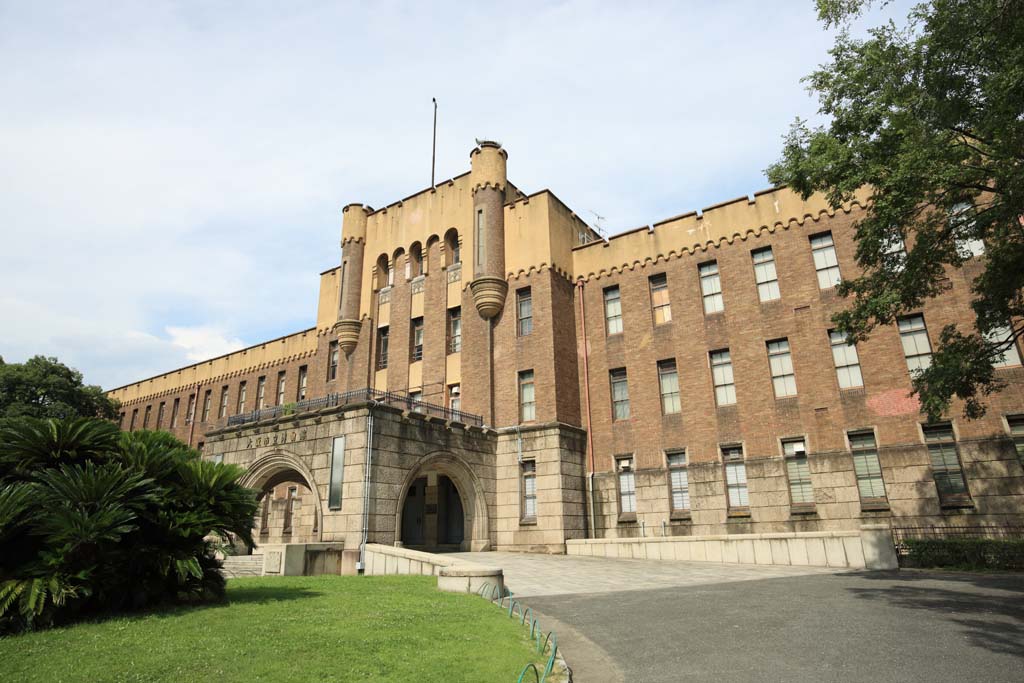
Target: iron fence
(391,398)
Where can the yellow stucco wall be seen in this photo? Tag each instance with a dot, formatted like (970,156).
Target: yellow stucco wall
(330,293)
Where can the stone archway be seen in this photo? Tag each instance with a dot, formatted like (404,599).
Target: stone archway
(276,467)
(441,466)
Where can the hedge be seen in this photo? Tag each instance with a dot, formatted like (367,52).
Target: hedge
(964,553)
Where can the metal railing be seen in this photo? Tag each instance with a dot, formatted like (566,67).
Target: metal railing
(392,398)
(900,535)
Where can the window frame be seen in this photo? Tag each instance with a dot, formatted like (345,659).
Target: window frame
(712,298)
(795,457)
(778,360)
(685,511)
(625,468)
(454,401)
(527,474)
(769,284)
(333,358)
(658,284)
(846,349)
(261,392)
(615,320)
(729,386)
(668,369)
(524,323)
(222,410)
(336,474)
(734,459)
(243,393)
(303,384)
(619,376)
(527,378)
(916,334)
(416,333)
(175,406)
(382,351)
(826,250)
(454,344)
(282,385)
(951,466)
(868,502)
(207,405)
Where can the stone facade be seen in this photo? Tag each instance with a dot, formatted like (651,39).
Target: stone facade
(533,383)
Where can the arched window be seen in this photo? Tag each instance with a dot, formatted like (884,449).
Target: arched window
(383,271)
(451,248)
(396,263)
(427,260)
(415,260)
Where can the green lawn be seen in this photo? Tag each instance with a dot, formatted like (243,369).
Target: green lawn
(323,628)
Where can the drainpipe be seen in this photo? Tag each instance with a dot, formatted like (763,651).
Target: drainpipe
(366,485)
(591,519)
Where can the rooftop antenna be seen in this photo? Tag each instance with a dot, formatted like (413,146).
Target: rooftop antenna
(433,153)
(598,222)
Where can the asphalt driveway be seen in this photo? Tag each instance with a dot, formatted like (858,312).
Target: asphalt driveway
(637,620)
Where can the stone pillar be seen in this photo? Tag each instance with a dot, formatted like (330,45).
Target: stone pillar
(353,245)
(488,228)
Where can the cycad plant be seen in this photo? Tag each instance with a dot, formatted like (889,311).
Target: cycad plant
(93,520)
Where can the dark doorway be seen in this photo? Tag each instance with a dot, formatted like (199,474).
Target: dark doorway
(450,517)
(413,511)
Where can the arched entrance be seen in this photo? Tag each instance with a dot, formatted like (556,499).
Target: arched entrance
(442,507)
(289,508)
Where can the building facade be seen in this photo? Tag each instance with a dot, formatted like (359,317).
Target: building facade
(487,372)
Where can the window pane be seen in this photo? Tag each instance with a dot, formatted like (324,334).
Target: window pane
(337,472)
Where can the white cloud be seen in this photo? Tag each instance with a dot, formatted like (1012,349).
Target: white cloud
(172,174)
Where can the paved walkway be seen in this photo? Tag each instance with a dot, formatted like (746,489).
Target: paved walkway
(638,620)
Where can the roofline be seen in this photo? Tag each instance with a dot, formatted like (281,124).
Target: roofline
(210,360)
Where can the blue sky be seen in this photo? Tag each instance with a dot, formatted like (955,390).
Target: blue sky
(172,174)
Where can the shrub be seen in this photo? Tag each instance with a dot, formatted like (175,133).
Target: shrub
(965,553)
(93,520)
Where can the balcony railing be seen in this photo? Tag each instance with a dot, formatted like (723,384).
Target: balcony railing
(396,399)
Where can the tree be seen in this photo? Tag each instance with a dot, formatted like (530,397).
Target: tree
(44,387)
(929,118)
(93,520)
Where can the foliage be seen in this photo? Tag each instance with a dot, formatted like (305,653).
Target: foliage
(965,553)
(93,519)
(308,628)
(928,118)
(46,388)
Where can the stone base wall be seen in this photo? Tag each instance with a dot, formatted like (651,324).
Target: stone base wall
(453,575)
(993,471)
(870,548)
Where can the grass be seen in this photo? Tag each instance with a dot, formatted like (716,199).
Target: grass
(323,628)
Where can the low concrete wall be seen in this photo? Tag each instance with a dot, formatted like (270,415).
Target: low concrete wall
(307,559)
(869,548)
(453,575)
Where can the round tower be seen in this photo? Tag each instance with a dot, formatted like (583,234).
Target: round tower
(488,179)
(353,244)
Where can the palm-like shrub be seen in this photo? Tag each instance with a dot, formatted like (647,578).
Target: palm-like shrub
(93,519)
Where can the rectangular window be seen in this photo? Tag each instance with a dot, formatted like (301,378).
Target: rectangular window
(265,513)
(303,376)
(764,274)
(620,394)
(382,348)
(280,388)
(894,252)
(223,411)
(527,399)
(240,408)
(207,404)
(962,223)
(612,310)
(160,415)
(416,340)
(846,361)
(678,479)
(668,380)
(529,487)
(711,287)
(916,347)
(825,261)
(800,490)
(145,417)
(1010,356)
(291,502)
(190,413)
(1016,425)
(780,361)
(478,237)
(721,375)
(333,355)
(627,486)
(454,397)
(135,417)
(866,466)
(735,477)
(455,329)
(949,475)
(174,412)
(261,393)
(659,299)
(524,311)
(120,421)
(337,473)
